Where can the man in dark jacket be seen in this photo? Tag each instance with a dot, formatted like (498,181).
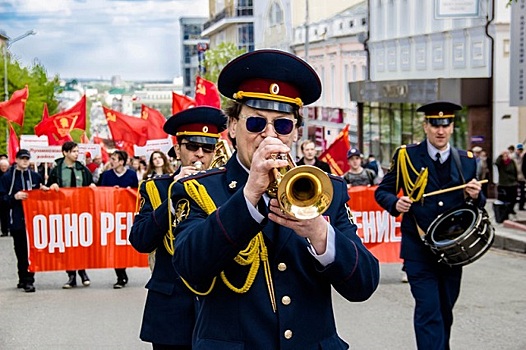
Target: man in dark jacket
(13,190)
(169,313)
(308,148)
(435,286)
(69,172)
(266,278)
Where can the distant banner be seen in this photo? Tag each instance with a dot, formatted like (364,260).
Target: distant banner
(85,228)
(379,231)
(81,228)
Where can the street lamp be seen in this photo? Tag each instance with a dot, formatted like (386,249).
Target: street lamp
(7,44)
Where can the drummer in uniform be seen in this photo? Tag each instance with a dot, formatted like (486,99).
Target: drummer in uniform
(428,166)
(266,278)
(169,313)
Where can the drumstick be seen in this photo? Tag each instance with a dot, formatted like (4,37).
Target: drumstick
(459,187)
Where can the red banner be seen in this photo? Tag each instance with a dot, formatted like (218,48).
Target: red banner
(379,231)
(81,228)
(85,228)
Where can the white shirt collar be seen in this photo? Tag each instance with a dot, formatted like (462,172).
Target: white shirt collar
(432,151)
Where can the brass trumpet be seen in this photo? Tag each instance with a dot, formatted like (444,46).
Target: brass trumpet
(303,192)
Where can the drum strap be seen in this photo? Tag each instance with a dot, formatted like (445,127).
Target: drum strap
(456,158)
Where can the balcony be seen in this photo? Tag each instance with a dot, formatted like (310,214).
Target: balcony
(229,13)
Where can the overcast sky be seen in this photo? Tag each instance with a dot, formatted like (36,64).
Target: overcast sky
(136,39)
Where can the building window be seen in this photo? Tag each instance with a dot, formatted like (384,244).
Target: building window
(245,33)
(387,126)
(275,16)
(244,8)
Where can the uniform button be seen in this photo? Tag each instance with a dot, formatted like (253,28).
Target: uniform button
(282,267)
(285,300)
(440,204)
(288,334)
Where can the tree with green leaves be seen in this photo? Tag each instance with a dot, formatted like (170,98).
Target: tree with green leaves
(41,90)
(217,58)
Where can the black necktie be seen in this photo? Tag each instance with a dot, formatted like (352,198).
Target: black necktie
(438,157)
(73,179)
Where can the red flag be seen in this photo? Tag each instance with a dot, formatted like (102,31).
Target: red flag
(45,112)
(103,150)
(126,128)
(76,115)
(57,130)
(125,146)
(206,93)
(156,121)
(84,138)
(181,102)
(336,154)
(13,110)
(14,146)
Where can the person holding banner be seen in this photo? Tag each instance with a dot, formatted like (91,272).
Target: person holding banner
(169,313)
(264,278)
(69,172)
(119,176)
(4,208)
(13,190)
(430,166)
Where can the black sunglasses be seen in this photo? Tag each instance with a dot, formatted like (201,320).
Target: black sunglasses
(282,126)
(194,146)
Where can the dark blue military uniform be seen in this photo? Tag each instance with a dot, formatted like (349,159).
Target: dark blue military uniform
(169,313)
(207,245)
(435,286)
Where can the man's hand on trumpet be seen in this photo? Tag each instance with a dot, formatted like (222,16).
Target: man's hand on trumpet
(263,161)
(189,170)
(313,229)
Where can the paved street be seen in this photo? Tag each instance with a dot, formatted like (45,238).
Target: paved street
(490,314)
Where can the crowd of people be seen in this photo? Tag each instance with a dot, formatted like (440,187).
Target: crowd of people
(225,252)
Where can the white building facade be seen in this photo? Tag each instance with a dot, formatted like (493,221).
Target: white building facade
(446,51)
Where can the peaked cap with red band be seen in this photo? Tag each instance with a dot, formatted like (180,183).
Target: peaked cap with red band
(270,79)
(201,124)
(440,113)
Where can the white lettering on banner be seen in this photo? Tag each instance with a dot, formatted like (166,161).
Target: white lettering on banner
(59,231)
(113,223)
(377,226)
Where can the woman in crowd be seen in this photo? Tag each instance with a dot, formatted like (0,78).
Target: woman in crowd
(158,165)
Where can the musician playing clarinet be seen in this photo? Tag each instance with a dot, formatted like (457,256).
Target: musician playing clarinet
(264,276)
(416,169)
(169,313)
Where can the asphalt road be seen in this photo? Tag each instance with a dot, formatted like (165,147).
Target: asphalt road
(490,313)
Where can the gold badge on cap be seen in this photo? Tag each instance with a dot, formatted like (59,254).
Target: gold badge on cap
(274,89)
(182,210)
(205,128)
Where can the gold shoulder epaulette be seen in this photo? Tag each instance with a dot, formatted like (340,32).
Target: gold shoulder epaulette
(470,154)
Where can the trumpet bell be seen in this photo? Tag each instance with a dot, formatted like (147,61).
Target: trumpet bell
(305,192)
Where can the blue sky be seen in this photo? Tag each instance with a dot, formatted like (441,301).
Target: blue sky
(136,39)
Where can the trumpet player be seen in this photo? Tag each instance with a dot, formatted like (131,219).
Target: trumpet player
(264,277)
(169,313)
(435,286)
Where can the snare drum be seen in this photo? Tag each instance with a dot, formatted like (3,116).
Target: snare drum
(461,235)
